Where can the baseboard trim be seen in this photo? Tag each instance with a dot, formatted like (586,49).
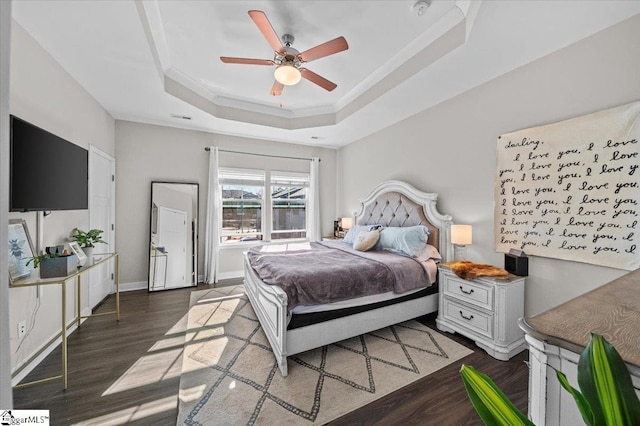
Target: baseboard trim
(232,274)
(136,285)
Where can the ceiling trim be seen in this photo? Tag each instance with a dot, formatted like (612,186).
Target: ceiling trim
(449,32)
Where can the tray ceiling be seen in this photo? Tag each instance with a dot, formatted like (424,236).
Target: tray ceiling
(158,61)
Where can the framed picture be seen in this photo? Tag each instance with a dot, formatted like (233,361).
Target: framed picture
(75,249)
(20,250)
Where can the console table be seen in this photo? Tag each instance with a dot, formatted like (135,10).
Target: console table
(62,283)
(558,336)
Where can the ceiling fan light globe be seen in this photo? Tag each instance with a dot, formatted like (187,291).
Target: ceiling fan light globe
(287,75)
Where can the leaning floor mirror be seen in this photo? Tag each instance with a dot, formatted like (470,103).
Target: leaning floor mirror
(173,241)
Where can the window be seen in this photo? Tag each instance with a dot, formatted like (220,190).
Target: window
(259,205)
(242,200)
(289,194)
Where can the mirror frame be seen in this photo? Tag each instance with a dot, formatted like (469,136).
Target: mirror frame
(194,235)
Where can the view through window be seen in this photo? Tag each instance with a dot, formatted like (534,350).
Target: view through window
(289,192)
(244,201)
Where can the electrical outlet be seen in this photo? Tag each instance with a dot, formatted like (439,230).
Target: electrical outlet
(22,329)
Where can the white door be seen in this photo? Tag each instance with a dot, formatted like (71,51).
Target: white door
(102,216)
(173,235)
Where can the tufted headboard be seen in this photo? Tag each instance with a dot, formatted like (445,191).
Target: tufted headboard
(396,203)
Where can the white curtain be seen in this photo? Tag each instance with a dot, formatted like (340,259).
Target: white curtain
(212,237)
(313,216)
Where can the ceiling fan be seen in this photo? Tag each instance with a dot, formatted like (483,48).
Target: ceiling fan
(288,60)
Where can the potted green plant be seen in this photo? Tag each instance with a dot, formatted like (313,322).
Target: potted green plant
(53,265)
(37,260)
(607,398)
(87,240)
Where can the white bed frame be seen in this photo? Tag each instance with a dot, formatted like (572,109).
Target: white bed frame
(270,302)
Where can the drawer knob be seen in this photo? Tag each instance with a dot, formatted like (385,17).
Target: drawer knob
(465,291)
(469,318)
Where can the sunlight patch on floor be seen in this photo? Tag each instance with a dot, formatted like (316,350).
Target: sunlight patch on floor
(202,314)
(164,359)
(179,326)
(192,394)
(135,413)
(202,334)
(214,350)
(149,369)
(173,342)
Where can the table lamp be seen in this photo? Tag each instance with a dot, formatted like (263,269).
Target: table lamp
(461,236)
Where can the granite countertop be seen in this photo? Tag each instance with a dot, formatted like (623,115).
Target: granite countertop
(612,310)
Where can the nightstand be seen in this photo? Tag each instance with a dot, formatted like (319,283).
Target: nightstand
(330,238)
(484,309)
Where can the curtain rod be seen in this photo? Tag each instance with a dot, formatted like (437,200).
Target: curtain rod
(262,155)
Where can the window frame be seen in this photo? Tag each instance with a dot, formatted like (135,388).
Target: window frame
(248,177)
(267,202)
(289,179)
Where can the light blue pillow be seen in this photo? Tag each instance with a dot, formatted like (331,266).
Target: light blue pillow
(355,230)
(410,240)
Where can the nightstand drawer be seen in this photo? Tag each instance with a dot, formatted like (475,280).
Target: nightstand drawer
(470,292)
(469,318)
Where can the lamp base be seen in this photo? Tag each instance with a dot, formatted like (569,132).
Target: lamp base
(459,252)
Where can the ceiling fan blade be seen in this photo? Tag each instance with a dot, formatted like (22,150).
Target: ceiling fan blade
(325,49)
(315,78)
(276,89)
(267,30)
(249,61)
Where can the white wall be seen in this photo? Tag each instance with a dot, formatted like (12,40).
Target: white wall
(6,397)
(43,93)
(148,152)
(451,148)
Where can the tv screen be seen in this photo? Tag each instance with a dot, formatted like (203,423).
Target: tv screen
(47,172)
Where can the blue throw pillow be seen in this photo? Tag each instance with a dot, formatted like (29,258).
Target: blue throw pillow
(355,230)
(409,240)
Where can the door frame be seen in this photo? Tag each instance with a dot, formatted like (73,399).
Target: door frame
(111,231)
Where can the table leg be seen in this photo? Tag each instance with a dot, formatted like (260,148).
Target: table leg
(79,300)
(64,335)
(117,287)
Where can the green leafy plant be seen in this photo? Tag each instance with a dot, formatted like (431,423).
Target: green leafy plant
(491,404)
(37,260)
(88,238)
(607,398)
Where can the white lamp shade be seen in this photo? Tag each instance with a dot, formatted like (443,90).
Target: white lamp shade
(347,222)
(287,75)
(461,234)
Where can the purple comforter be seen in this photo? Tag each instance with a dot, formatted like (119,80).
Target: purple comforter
(318,273)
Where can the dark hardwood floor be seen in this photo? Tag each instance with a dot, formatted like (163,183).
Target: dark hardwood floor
(129,372)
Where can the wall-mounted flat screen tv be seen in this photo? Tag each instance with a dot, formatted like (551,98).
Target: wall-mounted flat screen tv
(47,172)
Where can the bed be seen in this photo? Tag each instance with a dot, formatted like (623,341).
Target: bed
(392,203)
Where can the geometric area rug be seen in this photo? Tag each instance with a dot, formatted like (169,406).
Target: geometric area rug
(230,376)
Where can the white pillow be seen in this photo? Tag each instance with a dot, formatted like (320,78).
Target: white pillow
(366,240)
(428,252)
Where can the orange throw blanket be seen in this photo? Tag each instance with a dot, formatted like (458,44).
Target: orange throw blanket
(468,270)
